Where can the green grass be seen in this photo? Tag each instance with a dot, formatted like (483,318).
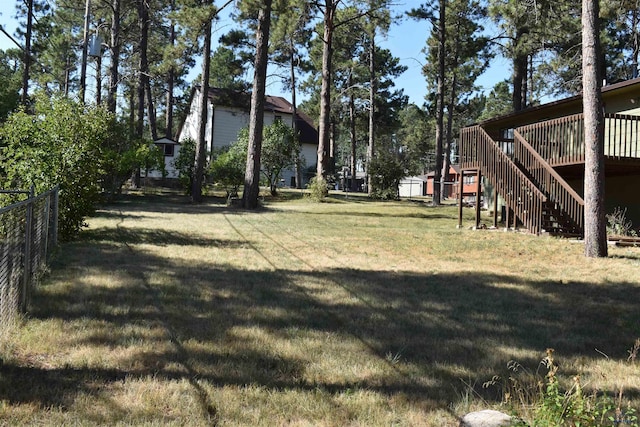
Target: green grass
(351,312)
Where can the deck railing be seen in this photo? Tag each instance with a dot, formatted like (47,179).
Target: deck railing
(479,151)
(561,141)
(558,141)
(558,192)
(622,136)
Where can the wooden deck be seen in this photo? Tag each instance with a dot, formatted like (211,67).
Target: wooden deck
(530,171)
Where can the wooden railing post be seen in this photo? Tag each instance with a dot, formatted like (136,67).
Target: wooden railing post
(460,198)
(478,195)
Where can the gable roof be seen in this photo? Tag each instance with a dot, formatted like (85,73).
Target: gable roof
(308,133)
(561,107)
(242,100)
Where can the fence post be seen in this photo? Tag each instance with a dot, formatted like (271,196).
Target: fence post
(54,232)
(27,252)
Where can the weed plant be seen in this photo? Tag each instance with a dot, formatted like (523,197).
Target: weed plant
(537,400)
(619,225)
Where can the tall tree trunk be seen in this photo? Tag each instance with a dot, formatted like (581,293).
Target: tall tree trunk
(453,93)
(294,117)
(27,54)
(256,118)
(446,161)
(352,133)
(595,233)
(325,91)
(372,107)
(170,83)
(151,111)
(437,191)
(99,79)
(200,155)
(169,104)
(114,76)
(635,22)
(85,47)
(145,85)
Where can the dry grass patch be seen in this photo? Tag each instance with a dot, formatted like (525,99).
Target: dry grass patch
(346,313)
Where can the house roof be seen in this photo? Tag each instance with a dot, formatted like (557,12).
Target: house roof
(276,104)
(563,107)
(454,167)
(166,140)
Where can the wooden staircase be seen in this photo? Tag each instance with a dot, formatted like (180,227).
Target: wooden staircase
(539,197)
(522,169)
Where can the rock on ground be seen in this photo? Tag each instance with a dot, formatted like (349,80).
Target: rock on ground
(485,418)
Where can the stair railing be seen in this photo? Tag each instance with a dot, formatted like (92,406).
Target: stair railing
(479,151)
(565,198)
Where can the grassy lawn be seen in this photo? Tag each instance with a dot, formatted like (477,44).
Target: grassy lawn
(350,312)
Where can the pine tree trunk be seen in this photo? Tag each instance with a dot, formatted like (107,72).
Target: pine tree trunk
(294,116)
(372,109)
(519,78)
(200,155)
(595,234)
(325,91)
(352,134)
(446,161)
(437,191)
(256,118)
(170,84)
(112,94)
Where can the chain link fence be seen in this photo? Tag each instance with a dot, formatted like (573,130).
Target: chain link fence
(28,232)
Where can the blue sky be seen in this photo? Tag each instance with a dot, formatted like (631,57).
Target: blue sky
(405,41)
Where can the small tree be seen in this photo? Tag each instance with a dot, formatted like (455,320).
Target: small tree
(61,144)
(279,151)
(387,170)
(121,157)
(228,168)
(184,164)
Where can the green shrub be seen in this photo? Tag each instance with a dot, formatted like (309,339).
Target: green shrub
(61,143)
(318,190)
(184,164)
(227,170)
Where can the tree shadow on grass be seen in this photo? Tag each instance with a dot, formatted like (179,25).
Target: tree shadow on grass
(155,236)
(430,330)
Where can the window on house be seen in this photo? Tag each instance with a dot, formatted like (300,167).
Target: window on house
(168,150)
(277,119)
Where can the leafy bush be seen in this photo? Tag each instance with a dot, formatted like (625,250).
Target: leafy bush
(318,189)
(228,170)
(122,157)
(386,172)
(279,151)
(184,164)
(60,144)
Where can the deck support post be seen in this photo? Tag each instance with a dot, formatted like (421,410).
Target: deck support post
(460,188)
(495,206)
(478,196)
(507,220)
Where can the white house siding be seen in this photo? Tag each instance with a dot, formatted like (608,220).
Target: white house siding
(227,122)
